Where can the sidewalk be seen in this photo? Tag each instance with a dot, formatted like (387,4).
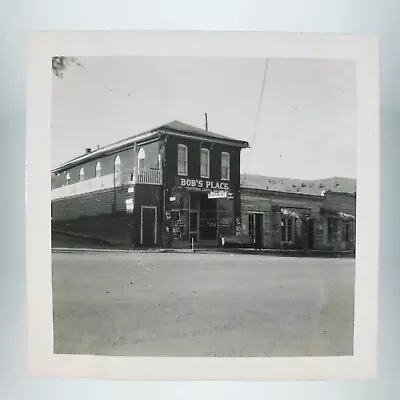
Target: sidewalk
(266,252)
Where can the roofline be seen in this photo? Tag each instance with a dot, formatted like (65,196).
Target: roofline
(280,192)
(232,142)
(349,194)
(139,139)
(107,150)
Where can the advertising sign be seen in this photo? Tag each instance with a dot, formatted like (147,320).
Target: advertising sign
(202,185)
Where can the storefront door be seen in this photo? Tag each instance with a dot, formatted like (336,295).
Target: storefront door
(148,231)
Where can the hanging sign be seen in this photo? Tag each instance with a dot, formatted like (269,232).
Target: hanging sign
(218,195)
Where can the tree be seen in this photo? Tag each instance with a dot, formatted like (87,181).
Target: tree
(60,64)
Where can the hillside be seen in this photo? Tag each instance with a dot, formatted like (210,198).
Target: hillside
(315,187)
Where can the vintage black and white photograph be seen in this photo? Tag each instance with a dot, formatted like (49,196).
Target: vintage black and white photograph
(232,183)
(204,206)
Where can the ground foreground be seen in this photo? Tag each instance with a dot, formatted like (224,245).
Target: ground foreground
(143,304)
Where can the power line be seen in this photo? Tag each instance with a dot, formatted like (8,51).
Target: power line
(258,112)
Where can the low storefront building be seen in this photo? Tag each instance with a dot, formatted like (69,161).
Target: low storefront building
(284,220)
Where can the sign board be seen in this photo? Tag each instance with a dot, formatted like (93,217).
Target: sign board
(131,190)
(218,195)
(202,184)
(129,205)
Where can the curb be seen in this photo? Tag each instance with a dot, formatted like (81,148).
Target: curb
(265,252)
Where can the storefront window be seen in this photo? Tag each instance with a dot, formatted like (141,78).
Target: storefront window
(332,227)
(287,229)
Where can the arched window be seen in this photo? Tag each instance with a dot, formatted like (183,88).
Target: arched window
(182,159)
(68,178)
(141,160)
(98,169)
(117,171)
(81,174)
(225,166)
(204,163)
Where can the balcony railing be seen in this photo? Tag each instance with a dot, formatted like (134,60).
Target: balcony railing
(148,177)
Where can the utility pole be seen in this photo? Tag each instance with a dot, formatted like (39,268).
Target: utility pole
(206,117)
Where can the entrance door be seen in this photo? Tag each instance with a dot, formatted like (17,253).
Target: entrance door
(149,226)
(256,229)
(310,234)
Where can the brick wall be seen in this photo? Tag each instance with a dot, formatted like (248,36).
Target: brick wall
(95,215)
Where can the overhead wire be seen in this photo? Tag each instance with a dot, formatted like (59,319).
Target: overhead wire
(260,101)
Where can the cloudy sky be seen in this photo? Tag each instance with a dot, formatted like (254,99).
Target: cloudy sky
(306,127)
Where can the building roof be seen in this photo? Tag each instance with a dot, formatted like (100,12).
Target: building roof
(174,128)
(315,187)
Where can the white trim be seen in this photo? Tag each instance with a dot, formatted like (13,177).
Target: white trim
(182,146)
(229,166)
(155,223)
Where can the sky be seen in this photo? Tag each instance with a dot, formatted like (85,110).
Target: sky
(306,127)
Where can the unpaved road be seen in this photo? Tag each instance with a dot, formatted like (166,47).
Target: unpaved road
(136,304)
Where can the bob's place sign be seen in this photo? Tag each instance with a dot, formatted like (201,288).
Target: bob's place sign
(201,184)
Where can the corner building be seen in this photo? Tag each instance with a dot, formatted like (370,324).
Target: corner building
(168,187)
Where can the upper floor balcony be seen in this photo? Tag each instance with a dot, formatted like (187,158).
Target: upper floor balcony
(126,178)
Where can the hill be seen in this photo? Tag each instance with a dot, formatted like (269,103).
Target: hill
(315,187)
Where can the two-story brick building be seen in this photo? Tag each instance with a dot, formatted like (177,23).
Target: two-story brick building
(175,183)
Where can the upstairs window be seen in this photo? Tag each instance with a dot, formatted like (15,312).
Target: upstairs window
(81,175)
(182,159)
(141,160)
(68,178)
(98,169)
(117,171)
(225,166)
(204,163)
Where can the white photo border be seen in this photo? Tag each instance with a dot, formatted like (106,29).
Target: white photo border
(43,46)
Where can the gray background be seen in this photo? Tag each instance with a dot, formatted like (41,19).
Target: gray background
(345,16)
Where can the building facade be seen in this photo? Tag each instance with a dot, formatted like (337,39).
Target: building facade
(173,186)
(178,186)
(284,220)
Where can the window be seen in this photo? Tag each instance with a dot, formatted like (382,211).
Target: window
(81,174)
(68,178)
(287,229)
(332,227)
(225,166)
(98,169)
(182,159)
(204,163)
(117,171)
(141,160)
